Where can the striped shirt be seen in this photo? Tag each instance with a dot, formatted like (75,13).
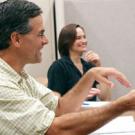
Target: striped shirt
(26,106)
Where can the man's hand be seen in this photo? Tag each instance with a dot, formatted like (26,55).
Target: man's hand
(127,101)
(80,91)
(101,75)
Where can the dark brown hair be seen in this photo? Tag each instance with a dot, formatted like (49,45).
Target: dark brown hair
(67,37)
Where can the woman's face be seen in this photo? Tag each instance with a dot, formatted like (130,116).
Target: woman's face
(80,44)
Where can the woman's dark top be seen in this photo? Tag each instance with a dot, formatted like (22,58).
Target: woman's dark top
(63,75)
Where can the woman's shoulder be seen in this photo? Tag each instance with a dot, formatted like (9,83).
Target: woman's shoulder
(63,60)
(60,63)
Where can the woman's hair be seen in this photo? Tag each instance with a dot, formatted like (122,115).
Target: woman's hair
(67,37)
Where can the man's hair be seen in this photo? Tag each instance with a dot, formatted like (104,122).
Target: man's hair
(67,37)
(14,17)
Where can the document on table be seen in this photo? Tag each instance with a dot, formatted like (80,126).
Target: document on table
(123,125)
(87,104)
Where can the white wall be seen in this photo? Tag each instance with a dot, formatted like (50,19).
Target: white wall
(110,30)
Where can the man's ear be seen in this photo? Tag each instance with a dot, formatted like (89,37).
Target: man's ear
(15,39)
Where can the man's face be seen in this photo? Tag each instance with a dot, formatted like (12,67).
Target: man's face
(33,42)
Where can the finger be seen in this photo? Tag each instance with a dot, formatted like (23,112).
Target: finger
(89,52)
(124,81)
(104,80)
(93,60)
(92,95)
(94,92)
(92,53)
(120,77)
(92,57)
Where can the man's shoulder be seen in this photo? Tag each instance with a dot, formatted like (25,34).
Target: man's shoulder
(5,83)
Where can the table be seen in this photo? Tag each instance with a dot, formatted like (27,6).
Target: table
(116,126)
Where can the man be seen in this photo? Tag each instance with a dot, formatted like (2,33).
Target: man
(29,108)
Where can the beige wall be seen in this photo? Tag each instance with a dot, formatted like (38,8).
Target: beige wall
(110,30)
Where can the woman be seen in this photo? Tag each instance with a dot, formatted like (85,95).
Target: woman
(64,73)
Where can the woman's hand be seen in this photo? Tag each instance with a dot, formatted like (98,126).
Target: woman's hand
(93,57)
(93,92)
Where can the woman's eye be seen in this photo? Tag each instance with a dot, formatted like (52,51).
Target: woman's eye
(41,34)
(78,37)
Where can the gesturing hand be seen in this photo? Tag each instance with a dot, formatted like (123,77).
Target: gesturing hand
(101,74)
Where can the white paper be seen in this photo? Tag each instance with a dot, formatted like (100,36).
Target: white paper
(122,125)
(118,126)
(88,104)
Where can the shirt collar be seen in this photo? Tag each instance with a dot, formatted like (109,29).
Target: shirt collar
(69,61)
(12,74)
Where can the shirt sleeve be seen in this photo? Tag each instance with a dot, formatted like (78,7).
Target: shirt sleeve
(56,78)
(23,114)
(45,95)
